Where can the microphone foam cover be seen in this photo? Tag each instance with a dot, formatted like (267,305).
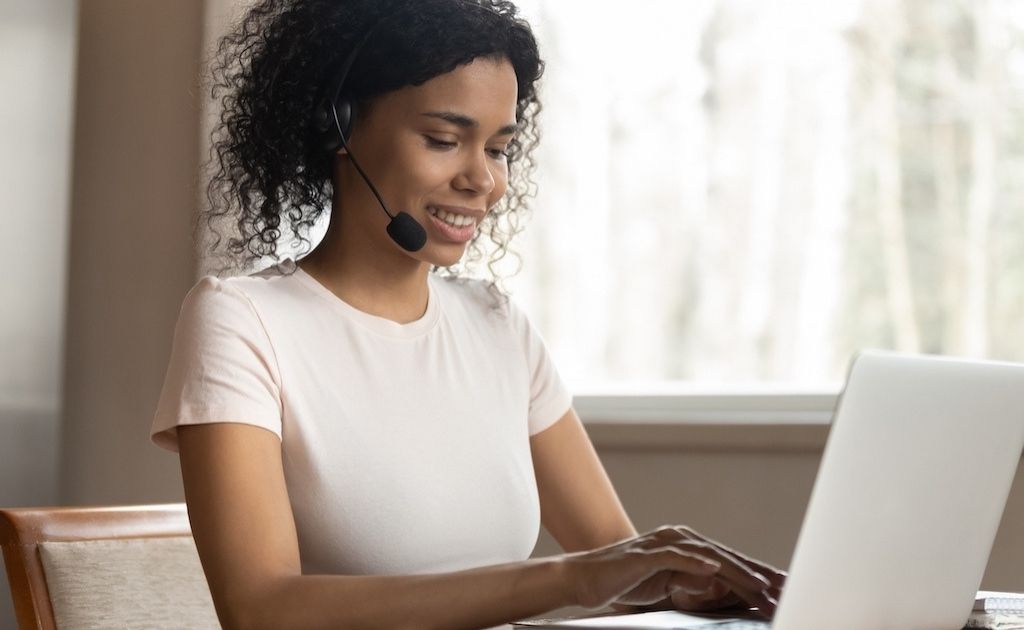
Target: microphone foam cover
(407,232)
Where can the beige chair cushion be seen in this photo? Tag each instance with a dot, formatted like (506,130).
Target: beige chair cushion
(127,583)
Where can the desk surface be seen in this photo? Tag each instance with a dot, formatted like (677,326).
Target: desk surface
(680,621)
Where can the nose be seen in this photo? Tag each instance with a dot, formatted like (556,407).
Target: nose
(475,175)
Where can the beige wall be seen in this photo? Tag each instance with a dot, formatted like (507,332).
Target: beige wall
(749,487)
(131,261)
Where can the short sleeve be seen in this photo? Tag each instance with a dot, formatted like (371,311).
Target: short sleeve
(222,366)
(549,397)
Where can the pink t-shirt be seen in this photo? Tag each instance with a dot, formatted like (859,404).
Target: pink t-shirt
(405,446)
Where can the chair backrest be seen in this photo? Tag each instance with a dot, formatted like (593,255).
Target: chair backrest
(105,567)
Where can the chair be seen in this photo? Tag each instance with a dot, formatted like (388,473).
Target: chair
(105,567)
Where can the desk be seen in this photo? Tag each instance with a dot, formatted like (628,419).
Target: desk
(679,621)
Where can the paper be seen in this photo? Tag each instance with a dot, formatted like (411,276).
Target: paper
(990,621)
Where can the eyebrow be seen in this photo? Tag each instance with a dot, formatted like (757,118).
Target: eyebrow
(461,120)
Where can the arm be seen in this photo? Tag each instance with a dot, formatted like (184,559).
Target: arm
(578,504)
(580,508)
(243,527)
(244,531)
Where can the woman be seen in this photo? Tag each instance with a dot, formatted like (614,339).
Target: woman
(365,443)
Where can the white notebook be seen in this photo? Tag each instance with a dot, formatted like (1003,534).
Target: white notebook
(995,601)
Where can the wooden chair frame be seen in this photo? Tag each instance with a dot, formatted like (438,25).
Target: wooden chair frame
(23,529)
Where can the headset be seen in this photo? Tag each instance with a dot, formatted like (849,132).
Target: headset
(334,119)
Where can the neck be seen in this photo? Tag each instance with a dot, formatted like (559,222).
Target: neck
(373,276)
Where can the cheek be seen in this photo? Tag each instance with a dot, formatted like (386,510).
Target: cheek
(427,174)
(412,175)
(415,162)
(404,161)
(500,175)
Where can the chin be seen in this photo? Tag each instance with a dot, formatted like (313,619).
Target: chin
(446,256)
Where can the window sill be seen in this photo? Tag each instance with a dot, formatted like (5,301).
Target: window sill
(745,422)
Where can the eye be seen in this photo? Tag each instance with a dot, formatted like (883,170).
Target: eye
(498,154)
(438,143)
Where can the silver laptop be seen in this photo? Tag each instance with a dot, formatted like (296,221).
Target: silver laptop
(908,497)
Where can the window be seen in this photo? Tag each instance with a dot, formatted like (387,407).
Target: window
(738,192)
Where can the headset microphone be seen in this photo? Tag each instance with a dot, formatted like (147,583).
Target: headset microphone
(403,229)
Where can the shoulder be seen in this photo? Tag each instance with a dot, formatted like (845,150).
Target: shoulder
(248,293)
(214,297)
(213,311)
(477,297)
(239,302)
(482,303)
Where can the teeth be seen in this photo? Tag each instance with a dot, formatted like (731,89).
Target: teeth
(452,219)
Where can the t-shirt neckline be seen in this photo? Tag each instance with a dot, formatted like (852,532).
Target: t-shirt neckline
(375,323)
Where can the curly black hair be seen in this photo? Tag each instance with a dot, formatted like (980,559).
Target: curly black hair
(270,74)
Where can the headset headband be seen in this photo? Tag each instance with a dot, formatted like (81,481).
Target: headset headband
(350,60)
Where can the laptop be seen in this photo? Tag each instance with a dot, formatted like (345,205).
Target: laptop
(909,494)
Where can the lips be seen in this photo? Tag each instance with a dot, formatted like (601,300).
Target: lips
(456,225)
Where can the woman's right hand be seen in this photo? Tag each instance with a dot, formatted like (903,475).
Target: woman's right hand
(652,567)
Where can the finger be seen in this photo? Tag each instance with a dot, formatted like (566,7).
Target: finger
(720,590)
(746,584)
(734,571)
(694,585)
(710,588)
(705,602)
(684,532)
(762,603)
(751,587)
(774,575)
(675,559)
(669,569)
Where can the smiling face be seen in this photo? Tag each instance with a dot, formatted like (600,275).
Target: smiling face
(435,151)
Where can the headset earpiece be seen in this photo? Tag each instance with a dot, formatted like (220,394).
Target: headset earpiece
(346,111)
(322,119)
(331,119)
(323,125)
